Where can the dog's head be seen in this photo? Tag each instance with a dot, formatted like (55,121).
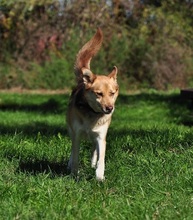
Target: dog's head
(100,91)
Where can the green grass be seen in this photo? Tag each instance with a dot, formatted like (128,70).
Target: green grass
(149,160)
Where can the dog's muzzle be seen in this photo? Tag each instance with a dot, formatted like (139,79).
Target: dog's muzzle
(108,109)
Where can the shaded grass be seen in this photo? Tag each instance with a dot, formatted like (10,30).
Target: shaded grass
(149,161)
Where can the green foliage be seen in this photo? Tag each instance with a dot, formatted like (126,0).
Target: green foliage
(161,55)
(148,161)
(56,74)
(152,46)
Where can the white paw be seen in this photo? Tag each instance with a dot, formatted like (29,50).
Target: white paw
(100,174)
(94,160)
(93,163)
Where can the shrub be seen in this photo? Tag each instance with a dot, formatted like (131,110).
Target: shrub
(160,55)
(149,42)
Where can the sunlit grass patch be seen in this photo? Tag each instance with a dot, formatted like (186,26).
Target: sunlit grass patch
(149,160)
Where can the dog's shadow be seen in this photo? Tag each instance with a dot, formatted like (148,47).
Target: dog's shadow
(52,169)
(45,167)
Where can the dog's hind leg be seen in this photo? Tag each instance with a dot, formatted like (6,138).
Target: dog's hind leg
(94,157)
(74,158)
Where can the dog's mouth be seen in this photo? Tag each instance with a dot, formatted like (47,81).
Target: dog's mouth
(106,109)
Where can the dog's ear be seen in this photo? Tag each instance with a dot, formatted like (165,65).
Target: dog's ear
(87,76)
(113,74)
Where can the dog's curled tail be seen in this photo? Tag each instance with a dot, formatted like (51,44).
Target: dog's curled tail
(87,52)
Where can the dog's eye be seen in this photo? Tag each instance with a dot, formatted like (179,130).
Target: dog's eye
(112,93)
(99,94)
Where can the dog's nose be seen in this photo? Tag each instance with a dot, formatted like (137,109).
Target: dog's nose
(109,109)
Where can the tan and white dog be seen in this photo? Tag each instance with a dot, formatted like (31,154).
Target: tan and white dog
(91,107)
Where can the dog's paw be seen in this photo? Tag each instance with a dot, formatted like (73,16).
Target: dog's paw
(93,164)
(100,175)
(94,160)
(100,179)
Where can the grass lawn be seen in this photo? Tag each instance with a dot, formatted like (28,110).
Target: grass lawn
(149,160)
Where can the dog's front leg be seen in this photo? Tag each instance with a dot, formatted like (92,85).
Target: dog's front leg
(74,158)
(101,148)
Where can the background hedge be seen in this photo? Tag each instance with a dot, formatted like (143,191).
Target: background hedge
(151,42)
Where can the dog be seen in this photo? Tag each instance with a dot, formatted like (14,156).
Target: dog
(91,106)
